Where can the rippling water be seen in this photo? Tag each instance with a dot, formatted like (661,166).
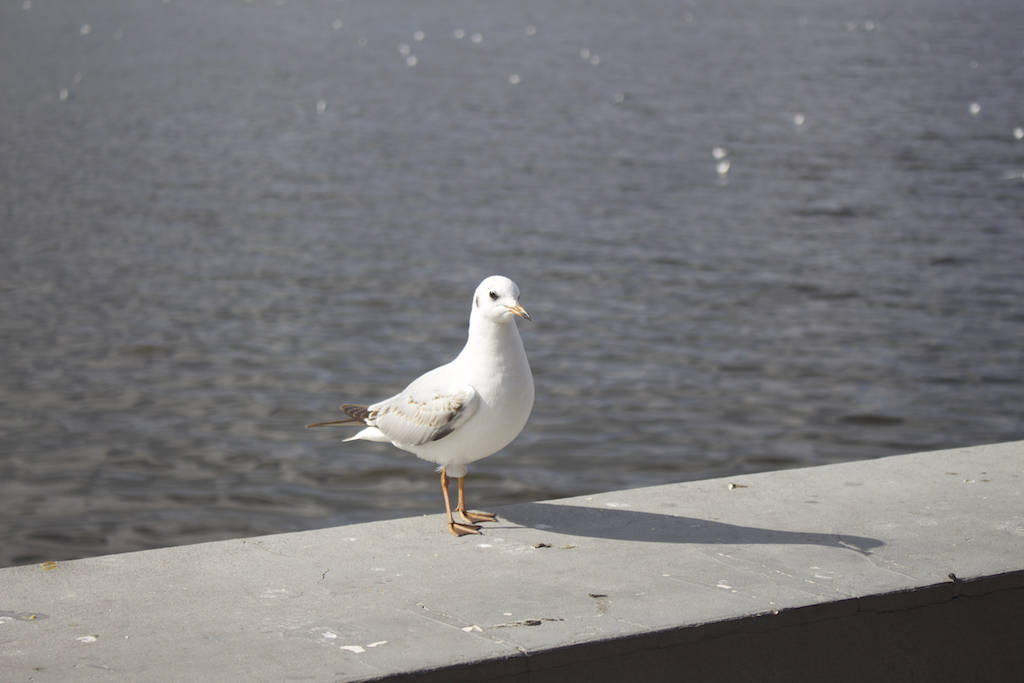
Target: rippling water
(221,220)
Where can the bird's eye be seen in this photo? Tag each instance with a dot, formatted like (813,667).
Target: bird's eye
(494,295)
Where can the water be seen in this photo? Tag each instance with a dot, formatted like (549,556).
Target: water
(221,220)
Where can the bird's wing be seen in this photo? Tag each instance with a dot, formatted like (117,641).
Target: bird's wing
(418,416)
(355,414)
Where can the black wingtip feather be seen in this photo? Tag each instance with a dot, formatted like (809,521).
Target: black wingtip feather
(356,411)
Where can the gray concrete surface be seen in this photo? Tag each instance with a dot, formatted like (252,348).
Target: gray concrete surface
(831,573)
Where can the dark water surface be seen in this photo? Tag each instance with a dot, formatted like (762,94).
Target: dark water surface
(219,220)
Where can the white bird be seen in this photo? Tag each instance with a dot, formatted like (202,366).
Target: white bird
(463,411)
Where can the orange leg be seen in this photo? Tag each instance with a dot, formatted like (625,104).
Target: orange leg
(453,527)
(470,517)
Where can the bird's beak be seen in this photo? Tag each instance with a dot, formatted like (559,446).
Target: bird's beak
(520,311)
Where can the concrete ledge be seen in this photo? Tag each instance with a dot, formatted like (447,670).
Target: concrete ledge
(837,573)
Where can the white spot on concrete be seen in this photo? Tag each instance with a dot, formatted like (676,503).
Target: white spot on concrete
(86,639)
(474,627)
(378,643)
(618,505)
(1012,527)
(354,648)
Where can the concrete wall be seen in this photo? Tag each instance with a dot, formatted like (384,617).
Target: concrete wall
(837,573)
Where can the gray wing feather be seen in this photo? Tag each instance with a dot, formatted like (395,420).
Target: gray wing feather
(413,419)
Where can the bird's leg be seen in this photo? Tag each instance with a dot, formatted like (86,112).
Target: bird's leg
(453,527)
(471,516)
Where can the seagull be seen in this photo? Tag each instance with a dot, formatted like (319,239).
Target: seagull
(463,411)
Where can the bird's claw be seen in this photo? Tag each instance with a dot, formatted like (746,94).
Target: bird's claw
(457,529)
(470,517)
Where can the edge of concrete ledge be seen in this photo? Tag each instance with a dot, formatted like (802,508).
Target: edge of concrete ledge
(839,572)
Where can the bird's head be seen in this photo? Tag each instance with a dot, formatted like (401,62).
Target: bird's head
(497,299)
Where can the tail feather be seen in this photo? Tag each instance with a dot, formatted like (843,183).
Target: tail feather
(357,415)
